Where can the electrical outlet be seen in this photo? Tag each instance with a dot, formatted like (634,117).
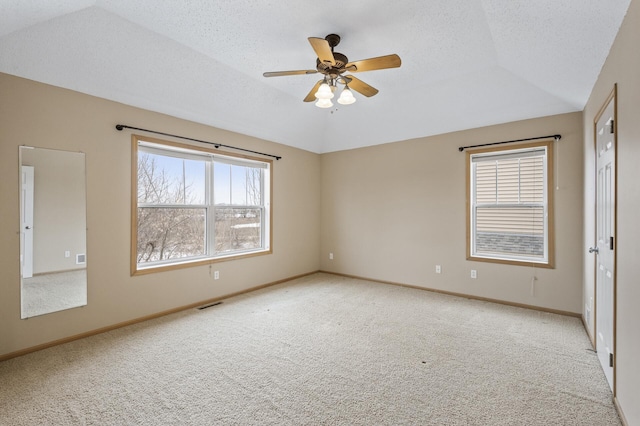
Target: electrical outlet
(216,275)
(330,256)
(438,269)
(474,274)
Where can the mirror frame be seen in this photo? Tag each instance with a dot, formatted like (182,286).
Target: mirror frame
(53,230)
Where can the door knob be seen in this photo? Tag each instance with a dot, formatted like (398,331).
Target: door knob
(595,250)
(27,227)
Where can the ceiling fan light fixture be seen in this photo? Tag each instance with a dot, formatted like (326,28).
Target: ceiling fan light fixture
(346,97)
(324,92)
(324,103)
(332,65)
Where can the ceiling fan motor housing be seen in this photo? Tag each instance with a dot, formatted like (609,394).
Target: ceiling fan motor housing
(337,69)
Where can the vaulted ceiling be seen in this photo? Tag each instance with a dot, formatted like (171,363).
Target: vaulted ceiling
(465,63)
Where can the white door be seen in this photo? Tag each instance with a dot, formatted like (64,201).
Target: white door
(26,221)
(605,244)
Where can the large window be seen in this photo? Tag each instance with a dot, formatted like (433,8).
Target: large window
(510,217)
(193,205)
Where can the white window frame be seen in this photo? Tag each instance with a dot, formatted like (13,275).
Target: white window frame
(209,156)
(519,151)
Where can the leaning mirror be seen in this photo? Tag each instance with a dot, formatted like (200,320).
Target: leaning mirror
(53,259)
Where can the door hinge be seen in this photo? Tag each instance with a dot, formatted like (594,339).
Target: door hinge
(610,243)
(610,360)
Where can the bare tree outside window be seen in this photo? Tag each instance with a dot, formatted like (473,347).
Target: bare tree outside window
(177,220)
(167,227)
(238,227)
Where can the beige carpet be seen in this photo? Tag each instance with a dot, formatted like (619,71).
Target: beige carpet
(321,350)
(43,294)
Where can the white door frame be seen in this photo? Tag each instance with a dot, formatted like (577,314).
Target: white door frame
(605,294)
(26,220)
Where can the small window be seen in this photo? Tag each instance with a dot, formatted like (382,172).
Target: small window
(195,206)
(510,217)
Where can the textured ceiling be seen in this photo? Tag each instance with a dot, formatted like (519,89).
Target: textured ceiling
(465,63)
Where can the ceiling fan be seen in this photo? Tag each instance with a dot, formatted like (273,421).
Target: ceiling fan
(333,65)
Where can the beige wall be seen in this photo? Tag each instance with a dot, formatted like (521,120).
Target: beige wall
(44,116)
(59,219)
(622,67)
(392,212)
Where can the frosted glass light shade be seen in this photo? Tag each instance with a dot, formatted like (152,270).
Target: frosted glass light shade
(324,92)
(346,97)
(324,103)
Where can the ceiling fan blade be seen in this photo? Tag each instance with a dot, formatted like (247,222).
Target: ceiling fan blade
(282,73)
(379,63)
(322,49)
(361,87)
(312,94)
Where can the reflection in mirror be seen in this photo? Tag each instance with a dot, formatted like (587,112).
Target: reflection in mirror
(53,259)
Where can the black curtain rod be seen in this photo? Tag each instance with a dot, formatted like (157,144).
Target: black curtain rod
(215,144)
(556,137)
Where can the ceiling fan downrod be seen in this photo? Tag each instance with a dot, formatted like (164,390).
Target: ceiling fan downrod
(333,40)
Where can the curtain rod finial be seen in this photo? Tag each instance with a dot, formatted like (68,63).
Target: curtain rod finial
(119,127)
(461,148)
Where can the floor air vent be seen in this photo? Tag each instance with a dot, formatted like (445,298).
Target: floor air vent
(209,305)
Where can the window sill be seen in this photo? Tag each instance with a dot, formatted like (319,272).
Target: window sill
(151,269)
(529,263)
